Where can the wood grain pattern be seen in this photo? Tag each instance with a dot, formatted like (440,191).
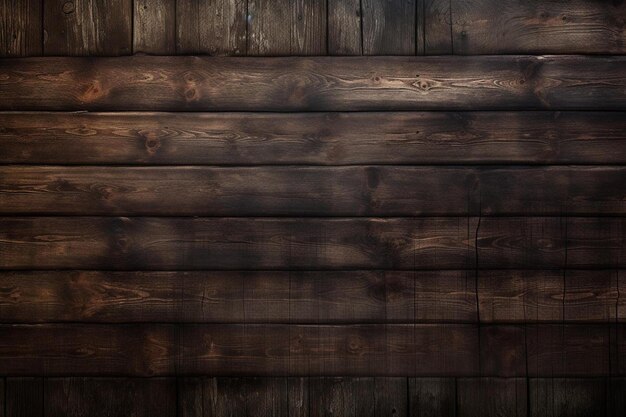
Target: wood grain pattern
(299,350)
(243,397)
(74,397)
(314,138)
(87,28)
(215,27)
(288,243)
(154,29)
(344,27)
(432,397)
(535,27)
(236,243)
(477,397)
(308,191)
(21,33)
(234,297)
(285,27)
(24,397)
(389,27)
(148,83)
(353,397)
(569,397)
(232,350)
(437,27)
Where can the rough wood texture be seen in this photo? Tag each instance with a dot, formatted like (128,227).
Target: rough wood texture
(389,27)
(477,397)
(570,397)
(154,30)
(344,243)
(244,349)
(20,28)
(314,138)
(308,191)
(285,27)
(87,27)
(538,27)
(74,397)
(298,350)
(234,297)
(344,27)
(24,397)
(432,397)
(437,27)
(246,243)
(322,83)
(215,27)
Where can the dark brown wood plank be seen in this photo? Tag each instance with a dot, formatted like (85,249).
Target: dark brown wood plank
(314,138)
(551,296)
(69,397)
(321,83)
(154,30)
(239,350)
(477,397)
(232,297)
(241,397)
(344,27)
(437,27)
(432,397)
(389,27)
(572,242)
(237,243)
(24,397)
(568,397)
(2,397)
(310,191)
(285,27)
(355,397)
(572,350)
(87,28)
(21,30)
(215,27)
(616,403)
(503,351)
(554,27)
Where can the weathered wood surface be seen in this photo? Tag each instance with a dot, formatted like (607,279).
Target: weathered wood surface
(215,27)
(572,296)
(148,83)
(287,243)
(87,27)
(308,191)
(389,27)
(344,27)
(154,30)
(20,28)
(285,27)
(314,138)
(299,350)
(543,27)
(302,397)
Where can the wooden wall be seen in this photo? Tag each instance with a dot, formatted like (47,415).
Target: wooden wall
(296,233)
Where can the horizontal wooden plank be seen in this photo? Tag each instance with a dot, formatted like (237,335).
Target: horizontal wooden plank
(311,191)
(235,297)
(300,350)
(527,137)
(234,243)
(311,243)
(551,27)
(230,350)
(512,296)
(313,84)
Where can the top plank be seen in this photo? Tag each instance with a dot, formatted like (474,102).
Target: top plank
(314,84)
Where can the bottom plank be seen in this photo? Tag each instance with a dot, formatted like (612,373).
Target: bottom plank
(312,397)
